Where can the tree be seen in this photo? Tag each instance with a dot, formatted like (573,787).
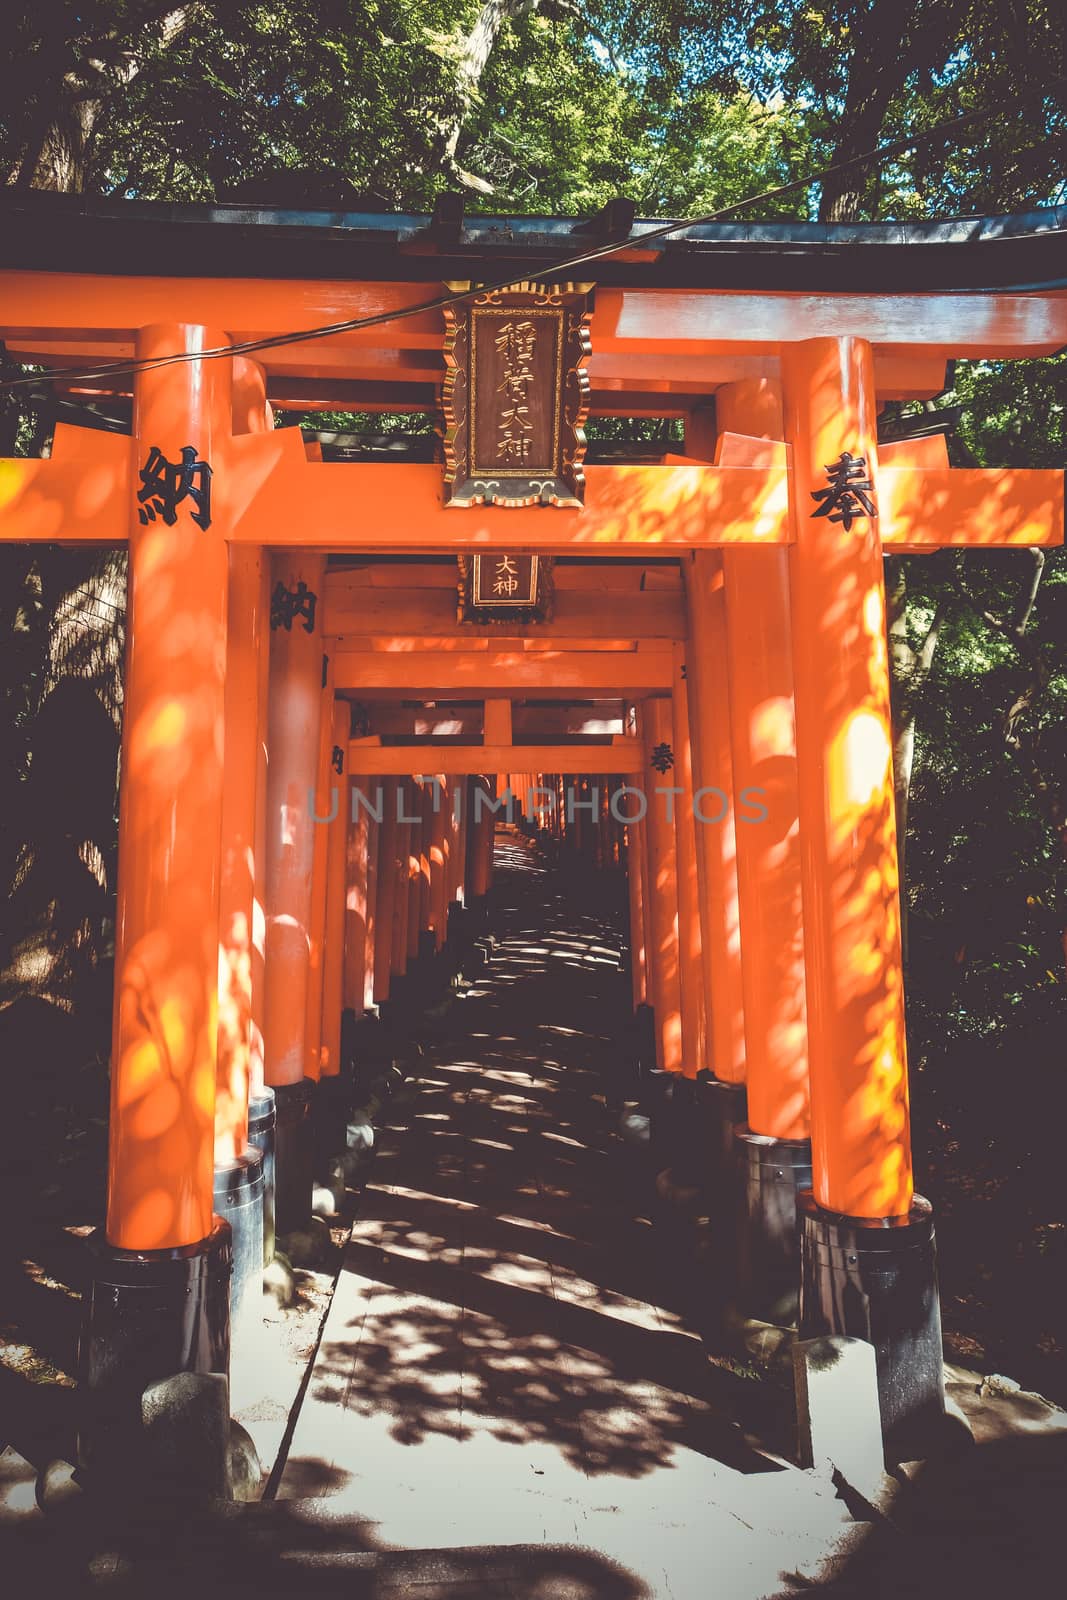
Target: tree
(863,72)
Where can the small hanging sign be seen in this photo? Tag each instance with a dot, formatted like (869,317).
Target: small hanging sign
(499,586)
(516,395)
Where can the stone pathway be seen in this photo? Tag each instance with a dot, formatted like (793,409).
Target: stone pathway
(504,1362)
(509,1403)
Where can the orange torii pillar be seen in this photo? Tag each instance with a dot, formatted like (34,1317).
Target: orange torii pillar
(366,817)
(618,844)
(440,859)
(326,803)
(157,1302)
(458,817)
(662,853)
(480,830)
(465,913)
(594,784)
(543,802)
(583,801)
(721,1090)
(551,785)
(454,845)
(293,758)
(475,825)
(402,892)
(333,1085)
(252,414)
(867,1246)
(602,843)
(632,812)
(429,820)
(634,848)
(774,1145)
(387,890)
(676,1129)
(636,812)
(418,912)
(574,813)
(690,957)
(239,1166)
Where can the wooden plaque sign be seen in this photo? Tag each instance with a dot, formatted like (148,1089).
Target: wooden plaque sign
(499,586)
(516,395)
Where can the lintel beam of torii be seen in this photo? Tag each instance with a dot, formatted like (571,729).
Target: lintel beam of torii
(43,305)
(503,674)
(369,758)
(84,491)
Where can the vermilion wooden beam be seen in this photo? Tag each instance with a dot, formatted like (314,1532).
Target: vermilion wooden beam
(502,674)
(276,496)
(73,304)
(402,508)
(370,759)
(362,572)
(924,501)
(54,305)
(326,372)
(536,724)
(946,325)
(971,507)
(432,613)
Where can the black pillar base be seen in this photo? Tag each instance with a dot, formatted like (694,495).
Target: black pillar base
(770,1175)
(433,980)
(147,1316)
(674,1140)
(371,1047)
(330,1106)
(721,1107)
(877,1280)
(645,1039)
(261,1136)
(294,1155)
(239,1201)
(415,979)
(397,1007)
(396,1013)
(477,913)
(459,936)
(348,1030)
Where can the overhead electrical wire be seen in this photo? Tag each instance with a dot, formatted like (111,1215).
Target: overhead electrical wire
(551,269)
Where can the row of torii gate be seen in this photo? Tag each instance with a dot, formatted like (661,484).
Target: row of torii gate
(766,943)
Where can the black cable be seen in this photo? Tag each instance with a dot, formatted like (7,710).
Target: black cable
(440,302)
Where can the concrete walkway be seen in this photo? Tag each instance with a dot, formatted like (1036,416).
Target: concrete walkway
(505,1362)
(509,1402)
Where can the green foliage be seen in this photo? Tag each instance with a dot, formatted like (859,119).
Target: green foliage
(368,93)
(1013,411)
(863,72)
(987,874)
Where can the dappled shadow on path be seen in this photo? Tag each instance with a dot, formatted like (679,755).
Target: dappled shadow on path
(506,1286)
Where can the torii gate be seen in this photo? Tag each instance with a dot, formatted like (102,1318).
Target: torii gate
(790,599)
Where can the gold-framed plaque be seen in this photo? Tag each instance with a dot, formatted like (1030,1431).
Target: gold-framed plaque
(516,395)
(504,586)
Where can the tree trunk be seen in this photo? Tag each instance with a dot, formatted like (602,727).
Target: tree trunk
(474,57)
(881,59)
(71,98)
(910,669)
